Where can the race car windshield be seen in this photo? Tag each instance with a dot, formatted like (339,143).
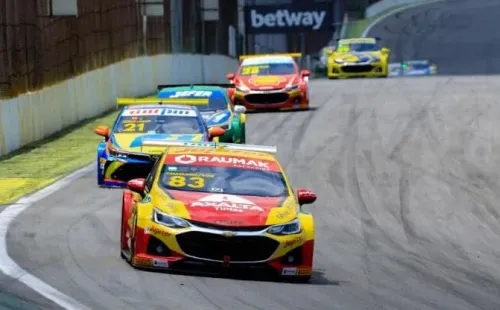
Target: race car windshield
(214,104)
(158,124)
(223,180)
(268,69)
(358,47)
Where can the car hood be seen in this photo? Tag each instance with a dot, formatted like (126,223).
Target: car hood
(133,142)
(232,210)
(215,118)
(357,56)
(265,82)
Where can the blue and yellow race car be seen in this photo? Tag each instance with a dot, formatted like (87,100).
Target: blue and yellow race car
(121,156)
(218,112)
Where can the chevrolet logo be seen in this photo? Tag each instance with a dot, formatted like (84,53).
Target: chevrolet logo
(228,234)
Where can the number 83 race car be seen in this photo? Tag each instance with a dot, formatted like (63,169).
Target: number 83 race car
(217,207)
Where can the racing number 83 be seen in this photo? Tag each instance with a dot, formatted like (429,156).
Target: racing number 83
(181,181)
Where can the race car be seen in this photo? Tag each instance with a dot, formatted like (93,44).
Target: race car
(413,68)
(270,82)
(216,207)
(358,57)
(218,112)
(121,156)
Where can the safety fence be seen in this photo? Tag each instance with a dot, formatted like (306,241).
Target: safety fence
(43,42)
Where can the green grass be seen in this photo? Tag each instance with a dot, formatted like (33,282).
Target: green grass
(356,28)
(41,163)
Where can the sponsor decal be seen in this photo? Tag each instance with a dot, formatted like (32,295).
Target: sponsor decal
(289,271)
(191,93)
(142,261)
(168,112)
(304,16)
(227,203)
(160,263)
(266,80)
(229,222)
(102,163)
(152,230)
(146,199)
(241,162)
(294,241)
(304,272)
(228,234)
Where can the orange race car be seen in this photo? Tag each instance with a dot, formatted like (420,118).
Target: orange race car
(270,82)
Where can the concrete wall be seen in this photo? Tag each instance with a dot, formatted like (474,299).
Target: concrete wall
(37,115)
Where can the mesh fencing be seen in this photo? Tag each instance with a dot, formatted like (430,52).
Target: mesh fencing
(39,49)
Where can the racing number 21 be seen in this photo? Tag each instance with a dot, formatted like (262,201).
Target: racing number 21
(133,127)
(180,181)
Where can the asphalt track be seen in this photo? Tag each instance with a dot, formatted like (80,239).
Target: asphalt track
(405,171)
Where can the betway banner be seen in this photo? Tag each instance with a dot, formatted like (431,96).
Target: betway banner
(285,18)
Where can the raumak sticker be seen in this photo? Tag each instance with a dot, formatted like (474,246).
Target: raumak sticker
(223,161)
(227,203)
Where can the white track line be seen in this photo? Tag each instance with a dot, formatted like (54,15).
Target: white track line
(409,6)
(9,267)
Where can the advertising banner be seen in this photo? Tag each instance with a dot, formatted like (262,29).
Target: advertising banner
(300,16)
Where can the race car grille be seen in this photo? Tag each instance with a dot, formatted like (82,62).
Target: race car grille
(271,98)
(357,69)
(231,228)
(220,248)
(128,172)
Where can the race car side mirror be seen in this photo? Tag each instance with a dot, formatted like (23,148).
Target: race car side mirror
(305,73)
(216,131)
(230,76)
(102,131)
(137,185)
(239,109)
(305,196)
(385,50)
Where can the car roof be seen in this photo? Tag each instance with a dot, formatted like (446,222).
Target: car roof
(222,152)
(257,60)
(357,40)
(160,106)
(195,87)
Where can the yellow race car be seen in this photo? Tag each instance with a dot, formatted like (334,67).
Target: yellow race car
(217,207)
(358,57)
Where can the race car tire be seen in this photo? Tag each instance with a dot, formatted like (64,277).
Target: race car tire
(243,134)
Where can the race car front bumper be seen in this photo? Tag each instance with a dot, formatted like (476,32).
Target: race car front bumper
(116,171)
(281,99)
(345,70)
(203,249)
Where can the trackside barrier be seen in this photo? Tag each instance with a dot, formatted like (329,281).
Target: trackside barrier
(35,116)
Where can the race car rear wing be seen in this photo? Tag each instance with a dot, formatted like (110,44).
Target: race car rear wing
(153,100)
(294,55)
(160,87)
(212,145)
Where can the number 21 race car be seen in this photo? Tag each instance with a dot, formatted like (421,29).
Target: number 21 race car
(218,207)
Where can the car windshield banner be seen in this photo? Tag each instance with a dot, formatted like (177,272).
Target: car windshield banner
(300,16)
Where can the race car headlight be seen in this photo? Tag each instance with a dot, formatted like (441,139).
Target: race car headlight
(286,229)
(242,88)
(116,153)
(339,61)
(375,59)
(168,220)
(292,87)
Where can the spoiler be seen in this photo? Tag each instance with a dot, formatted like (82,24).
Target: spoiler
(160,87)
(212,145)
(294,55)
(152,100)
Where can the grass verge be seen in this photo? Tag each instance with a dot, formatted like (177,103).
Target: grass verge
(42,163)
(356,28)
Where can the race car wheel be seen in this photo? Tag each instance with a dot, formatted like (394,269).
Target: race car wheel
(243,134)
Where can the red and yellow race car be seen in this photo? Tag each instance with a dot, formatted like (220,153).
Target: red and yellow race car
(270,82)
(217,207)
